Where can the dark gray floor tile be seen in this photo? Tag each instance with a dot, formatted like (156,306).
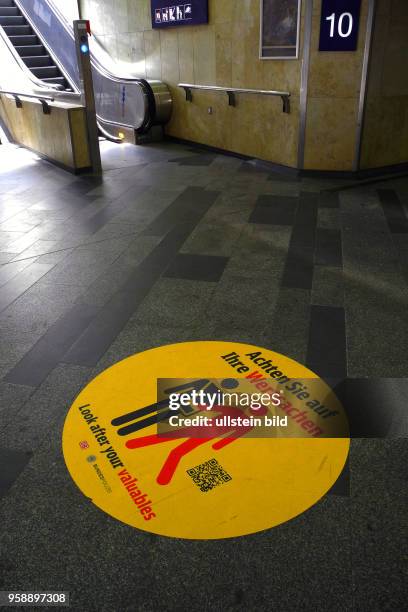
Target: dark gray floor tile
(49,350)
(279,177)
(328,218)
(401,243)
(375,407)
(190,206)
(394,211)
(298,273)
(21,282)
(13,346)
(328,286)
(12,464)
(194,160)
(288,330)
(97,338)
(274,210)
(326,353)
(101,218)
(197,267)
(342,485)
(328,248)
(329,199)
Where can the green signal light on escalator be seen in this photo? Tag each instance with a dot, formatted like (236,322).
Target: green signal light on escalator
(84,48)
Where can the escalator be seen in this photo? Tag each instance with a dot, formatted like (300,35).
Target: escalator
(29,46)
(38,55)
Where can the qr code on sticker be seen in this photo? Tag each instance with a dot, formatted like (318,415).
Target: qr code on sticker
(209,475)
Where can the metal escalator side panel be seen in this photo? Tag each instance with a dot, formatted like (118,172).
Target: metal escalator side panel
(151,114)
(124,103)
(110,132)
(163,101)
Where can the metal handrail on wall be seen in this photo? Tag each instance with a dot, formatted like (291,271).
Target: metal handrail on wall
(17,95)
(233,91)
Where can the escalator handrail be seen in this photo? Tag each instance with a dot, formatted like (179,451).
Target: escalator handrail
(108,135)
(17,95)
(23,94)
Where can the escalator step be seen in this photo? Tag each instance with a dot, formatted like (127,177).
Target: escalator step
(56,81)
(15,20)
(6,3)
(9,10)
(37,61)
(31,50)
(17,30)
(44,72)
(20,41)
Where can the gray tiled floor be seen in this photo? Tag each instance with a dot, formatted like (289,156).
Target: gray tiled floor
(98,271)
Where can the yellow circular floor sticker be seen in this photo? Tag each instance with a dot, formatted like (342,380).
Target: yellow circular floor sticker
(146,456)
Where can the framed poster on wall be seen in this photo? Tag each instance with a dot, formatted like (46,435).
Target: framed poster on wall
(280,26)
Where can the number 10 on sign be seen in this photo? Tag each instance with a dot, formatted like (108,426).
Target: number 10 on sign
(339,25)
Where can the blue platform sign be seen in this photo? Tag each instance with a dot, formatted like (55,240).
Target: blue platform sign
(339,25)
(167,13)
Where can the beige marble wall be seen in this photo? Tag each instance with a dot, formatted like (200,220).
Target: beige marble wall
(385,135)
(61,136)
(225,53)
(333,99)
